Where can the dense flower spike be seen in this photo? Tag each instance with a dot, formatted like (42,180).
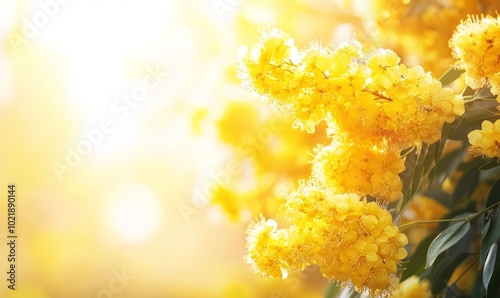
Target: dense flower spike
(476,47)
(486,141)
(350,239)
(371,96)
(360,168)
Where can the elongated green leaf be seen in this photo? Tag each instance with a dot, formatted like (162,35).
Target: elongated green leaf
(452,291)
(468,92)
(445,132)
(445,240)
(418,171)
(465,186)
(450,75)
(448,164)
(440,273)
(490,174)
(485,94)
(478,289)
(493,163)
(333,291)
(491,234)
(411,162)
(493,289)
(475,113)
(493,195)
(489,264)
(430,157)
(416,264)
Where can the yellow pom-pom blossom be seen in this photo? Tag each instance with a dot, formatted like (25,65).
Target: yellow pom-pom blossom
(476,47)
(360,168)
(350,239)
(486,141)
(413,287)
(371,96)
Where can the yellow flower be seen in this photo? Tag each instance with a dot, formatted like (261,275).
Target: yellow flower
(476,48)
(264,247)
(391,242)
(413,287)
(370,97)
(486,141)
(350,239)
(239,121)
(362,169)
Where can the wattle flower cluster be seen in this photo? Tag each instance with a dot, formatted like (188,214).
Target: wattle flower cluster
(350,239)
(370,96)
(476,48)
(359,168)
(374,107)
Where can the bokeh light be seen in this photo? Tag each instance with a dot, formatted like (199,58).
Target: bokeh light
(133,213)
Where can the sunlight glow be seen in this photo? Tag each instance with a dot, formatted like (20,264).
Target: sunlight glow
(101,40)
(133,213)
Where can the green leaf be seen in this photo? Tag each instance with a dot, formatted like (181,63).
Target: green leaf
(407,151)
(333,291)
(411,162)
(450,75)
(493,195)
(430,156)
(490,174)
(416,264)
(485,94)
(448,164)
(466,186)
(475,113)
(493,289)
(440,273)
(468,92)
(448,128)
(477,288)
(491,234)
(489,264)
(445,240)
(348,292)
(417,173)
(493,163)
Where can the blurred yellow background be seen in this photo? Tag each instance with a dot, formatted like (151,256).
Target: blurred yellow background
(97,101)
